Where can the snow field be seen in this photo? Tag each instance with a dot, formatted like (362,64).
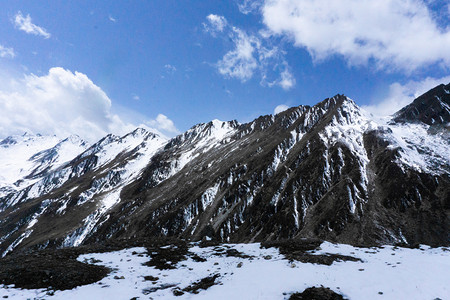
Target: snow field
(384,273)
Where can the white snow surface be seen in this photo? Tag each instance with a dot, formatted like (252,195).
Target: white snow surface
(420,150)
(385,273)
(16,162)
(204,137)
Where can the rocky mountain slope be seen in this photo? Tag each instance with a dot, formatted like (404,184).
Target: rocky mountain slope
(327,171)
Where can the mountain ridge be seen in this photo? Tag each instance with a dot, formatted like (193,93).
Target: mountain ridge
(326,171)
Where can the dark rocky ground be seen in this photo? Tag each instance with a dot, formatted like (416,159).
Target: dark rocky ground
(302,250)
(53,269)
(316,293)
(58,269)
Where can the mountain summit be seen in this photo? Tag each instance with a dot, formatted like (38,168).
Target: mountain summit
(431,108)
(326,171)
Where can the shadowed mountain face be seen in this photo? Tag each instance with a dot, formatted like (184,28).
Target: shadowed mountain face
(324,171)
(431,108)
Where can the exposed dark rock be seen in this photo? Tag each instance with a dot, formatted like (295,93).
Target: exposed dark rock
(294,245)
(196,258)
(55,269)
(300,250)
(202,284)
(167,256)
(431,108)
(151,278)
(157,288)
(59,269)
(316,293)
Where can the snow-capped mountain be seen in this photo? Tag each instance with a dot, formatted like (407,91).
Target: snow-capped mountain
(330,171)
(27,158)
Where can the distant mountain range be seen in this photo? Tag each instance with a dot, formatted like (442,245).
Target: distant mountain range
(330,171)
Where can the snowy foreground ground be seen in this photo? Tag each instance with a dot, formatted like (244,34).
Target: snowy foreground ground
(384,273)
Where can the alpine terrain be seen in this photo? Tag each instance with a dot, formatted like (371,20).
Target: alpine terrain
(330,171)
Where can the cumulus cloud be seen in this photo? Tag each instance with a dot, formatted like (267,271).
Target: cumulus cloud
(7,52)
(252,54)
(400,34)
(401,95)
(25,24)
(164,124)
(280,108)
(60,103)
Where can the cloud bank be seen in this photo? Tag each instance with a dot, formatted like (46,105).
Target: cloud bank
(392,34)
(64,103)
(60,103)
(25,24)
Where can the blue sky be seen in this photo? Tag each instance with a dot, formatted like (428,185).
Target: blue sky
(172,64)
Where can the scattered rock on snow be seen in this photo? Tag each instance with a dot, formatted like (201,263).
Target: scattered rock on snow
(316,293)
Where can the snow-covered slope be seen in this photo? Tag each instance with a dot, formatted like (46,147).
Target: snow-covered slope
(63,165)
(26,158)
(418,148)
(107,186)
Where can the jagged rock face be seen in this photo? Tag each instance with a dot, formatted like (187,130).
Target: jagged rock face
(325,171)
(431,108)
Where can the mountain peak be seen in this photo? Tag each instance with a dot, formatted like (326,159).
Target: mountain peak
(431,108)
(333,101)
(74,139)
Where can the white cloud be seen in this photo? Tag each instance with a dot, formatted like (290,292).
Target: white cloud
(7,52)
(164,124)
(394,34)
(170,68)
(250,6)
(253,53)
(287,80)
(136,97)
(401,95)
(112,19)
(280,108)
(215,24)
(60,103)
(25,24)
(240,62)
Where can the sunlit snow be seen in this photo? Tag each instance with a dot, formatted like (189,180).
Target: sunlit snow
(385,273)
